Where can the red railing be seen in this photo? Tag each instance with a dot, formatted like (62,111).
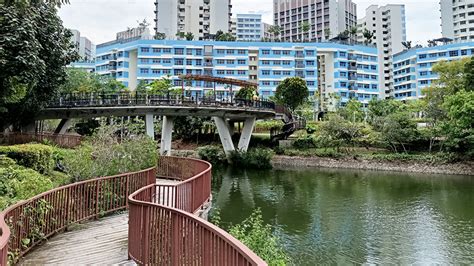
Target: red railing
(62,140)
(28,223)
(163,230)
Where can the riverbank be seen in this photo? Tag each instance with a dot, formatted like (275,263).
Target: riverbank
(459,168)
(284,162)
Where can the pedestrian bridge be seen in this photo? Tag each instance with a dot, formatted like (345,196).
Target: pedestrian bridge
(223,110)
(162,227)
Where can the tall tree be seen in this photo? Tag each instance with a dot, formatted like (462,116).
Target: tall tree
(275,30)
(407,45)
(469,75)
(353,33)
(34,50)
(327,33)
(305,27)
(189,36)
(292,92)
(368,36)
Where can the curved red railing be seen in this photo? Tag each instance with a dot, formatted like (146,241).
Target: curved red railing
(163,230)
(28,223)
(62,140)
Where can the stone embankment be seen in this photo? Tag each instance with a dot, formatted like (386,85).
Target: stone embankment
(461,168)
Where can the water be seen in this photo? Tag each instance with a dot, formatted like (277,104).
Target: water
(338,216)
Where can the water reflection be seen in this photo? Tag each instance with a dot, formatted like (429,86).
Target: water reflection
(334,216)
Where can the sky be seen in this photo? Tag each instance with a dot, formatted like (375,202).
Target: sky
(99,20)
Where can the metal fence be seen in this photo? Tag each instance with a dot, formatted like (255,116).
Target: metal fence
(144,99)
(28,223)
(62,140)
(163,230)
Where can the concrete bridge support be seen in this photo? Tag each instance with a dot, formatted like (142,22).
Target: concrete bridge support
(244,141)
(166,135)
(149,126)
(224,134)
(63,126)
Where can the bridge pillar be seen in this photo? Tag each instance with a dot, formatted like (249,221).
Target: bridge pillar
(150,129)
(224,134)
(63,126)
(246,133)
(166,135)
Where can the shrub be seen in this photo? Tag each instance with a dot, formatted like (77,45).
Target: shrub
(35,156)
(212,154)
(6,162)
(304,143)
(20,183)
(258,158)
(258,236)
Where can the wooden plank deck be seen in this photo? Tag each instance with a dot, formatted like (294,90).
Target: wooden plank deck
(100,242)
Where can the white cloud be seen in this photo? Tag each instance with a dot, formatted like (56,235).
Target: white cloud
(99,20)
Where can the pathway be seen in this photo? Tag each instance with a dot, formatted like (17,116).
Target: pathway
(100,242)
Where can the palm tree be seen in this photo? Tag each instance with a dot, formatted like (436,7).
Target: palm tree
(160,36)
(189,36)
(407,45)
(432,43)
(353,33)
(327,33)
(368,35)
(181,35)
(275,30)
(305,27)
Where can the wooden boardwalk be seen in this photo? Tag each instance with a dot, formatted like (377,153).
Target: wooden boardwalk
(100,242)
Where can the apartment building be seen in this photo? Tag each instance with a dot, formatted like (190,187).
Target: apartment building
(332,69)
(457,20)
(84,46)
(327,18)
(413,72)
(249,27)
(388,25)
(203,18)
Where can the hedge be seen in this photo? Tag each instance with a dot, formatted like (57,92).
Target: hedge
(38,157)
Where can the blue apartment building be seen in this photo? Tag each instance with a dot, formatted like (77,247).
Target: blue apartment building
(330,68)
(249,27)
(412,69)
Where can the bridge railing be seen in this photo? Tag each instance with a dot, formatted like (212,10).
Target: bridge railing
(62,140)
(28,223)
(163,230)
(144,99)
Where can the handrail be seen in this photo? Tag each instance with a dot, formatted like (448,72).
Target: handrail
(163,230)
(27,223)
(71,100)
(62,140)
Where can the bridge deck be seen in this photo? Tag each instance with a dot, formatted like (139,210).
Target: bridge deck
(101,242)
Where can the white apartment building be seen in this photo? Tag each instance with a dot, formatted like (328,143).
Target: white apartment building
(457,20)
(202,18)
(327,18)
(84,46)
(249,27)
(388,24)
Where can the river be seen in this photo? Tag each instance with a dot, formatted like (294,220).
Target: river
(339,216)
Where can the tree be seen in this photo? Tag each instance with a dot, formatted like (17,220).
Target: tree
(327,33)
(34,50)
(142,86)
(432,43)
(398,130)
(353,111)
(189,36)
(275,30)
(181,35)
(226,37)
(218,34)
(162,86)
(292,92)
(407,45)
(305,27)
(80,81)
(160,36)
(469,75)
(368,36)
(27,3)
(247,92)
(353,33)
(459,126)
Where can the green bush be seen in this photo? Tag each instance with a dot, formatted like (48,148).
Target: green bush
(258,158)
(258,236)
(307,142)
(6,162)
(21,183)
(212,154)
(35,156)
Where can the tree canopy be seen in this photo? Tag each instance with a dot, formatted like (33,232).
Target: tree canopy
(292,92)
(34,50)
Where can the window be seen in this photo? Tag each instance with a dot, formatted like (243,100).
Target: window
(265,72)
(265,83)
(145,50)
(241,62)
(463,52)
(310,83)
(277,73)
(310,63)
(422,56)
(230,62)
(286,73)
(167,50)
(144,61)
(178,62)
(286,52)
(189,51)
(373,67)
(166,71)
(241,52)
(189,62)
(156,50)
(220,72)
(230,72)
(342,54)
(442,54)
(144,70)
(198,51)
(220,51)
(156,61)
(230,51)
(342,64)
(453,53)
(276,52)
(156,71)
(310,73)
(220,61)
(265,62)
(178,72)
(179,51)
(277,62)
(265,51)
(241,72)
(198,62)
(309,52)
(433,55)
(286,63)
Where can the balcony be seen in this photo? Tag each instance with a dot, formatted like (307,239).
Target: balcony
(352,57)
(208,64)
(299,66)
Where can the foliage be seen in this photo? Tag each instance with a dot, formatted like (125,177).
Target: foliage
(35,156)
(397,130)
(247,92)
(266,125)
(186,127)
(292,92)
(336,132)
(257,158)
(368,36)
(225,37)
(160,36)
(304,143)
(81,81)
(258,236)
(213,154)
(469,75)
(32,75)
(6,162)
(104,155)
(163,87)
(352,111)
(459,126)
